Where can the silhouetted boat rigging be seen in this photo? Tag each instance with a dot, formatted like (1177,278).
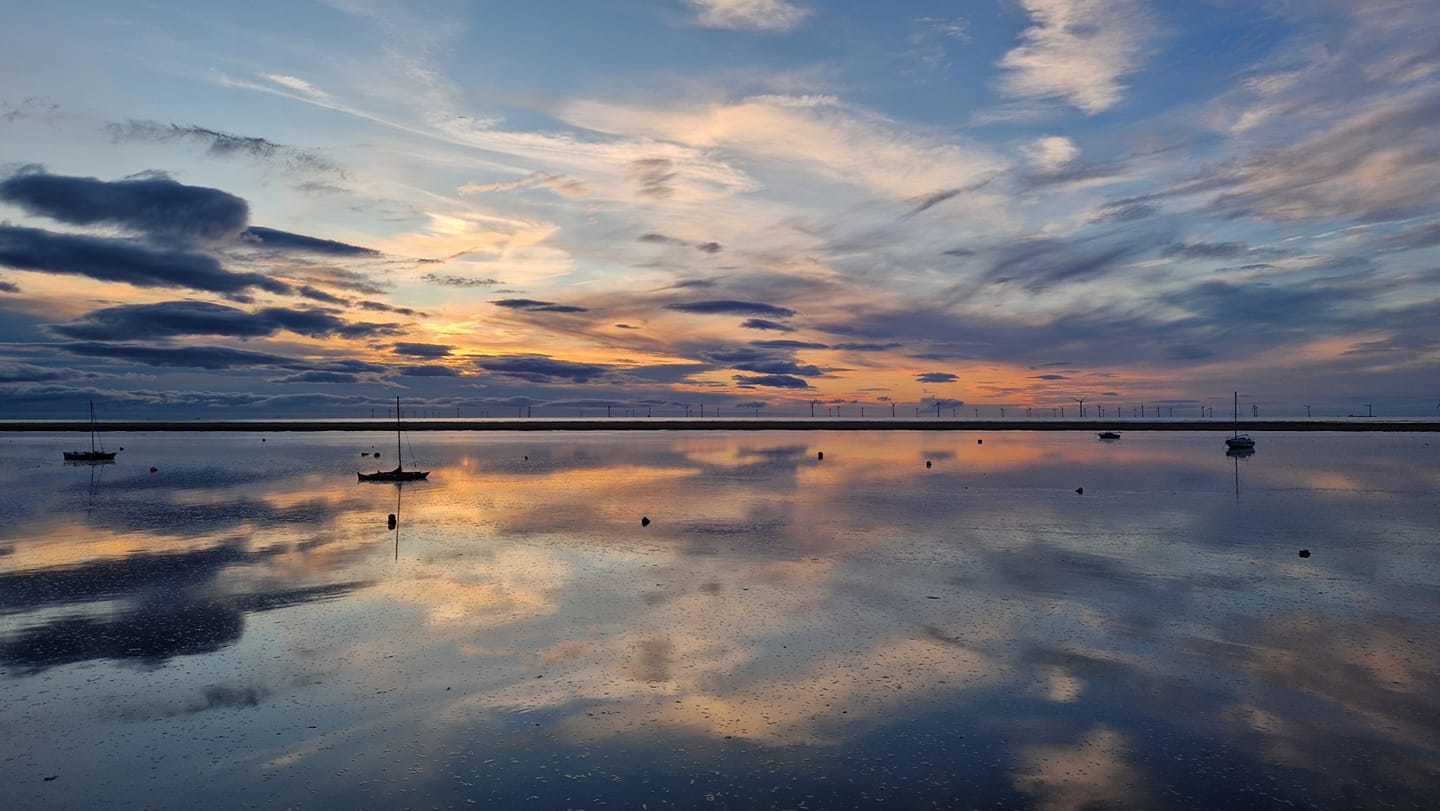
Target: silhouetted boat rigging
(97,452)
(399,474)
(1239,442)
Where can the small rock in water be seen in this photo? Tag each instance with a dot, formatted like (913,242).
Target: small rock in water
(526,458)
(1080,490)
(51,777)
(927,464)
(820,455)
(154,470)
(1304,553)
(979,442)
(644,520)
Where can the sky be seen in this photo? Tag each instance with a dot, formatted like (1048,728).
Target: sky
(308,208)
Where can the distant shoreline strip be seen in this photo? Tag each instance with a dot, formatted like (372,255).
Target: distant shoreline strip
(723,424)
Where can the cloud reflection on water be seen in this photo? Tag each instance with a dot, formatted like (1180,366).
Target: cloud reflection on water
(778,602)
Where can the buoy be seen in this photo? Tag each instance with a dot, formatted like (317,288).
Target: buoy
(820,455)
(979,442)
(644,520)
(1304,553)
(262,439)
(927,463)
(154,470)
(391,522)
(1080,490)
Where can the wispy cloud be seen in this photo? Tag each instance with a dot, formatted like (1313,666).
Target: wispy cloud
(1078,51)
(749,15)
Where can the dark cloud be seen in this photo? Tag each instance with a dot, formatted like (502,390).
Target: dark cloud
(382,307)
(168,319)
(1126,211)
(9,287)
(1041,262)
(934,199)
(318,376)
(445,280)
(1215,250)
(626,326)
(936,377)
(156,206)
(1049,377)
(28,373)
(731,307)
(779,367)
(223,144)
(652,177)
(429,371)
(420,350)
(662,239)
(786,344)
(771,381)
(763,324)
(541,369)
(868,347)
(120,260)
(533,306)
(276,240)
(195,357)
(929,201)
(316,294)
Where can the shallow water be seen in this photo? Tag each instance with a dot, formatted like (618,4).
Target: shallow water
(240,628)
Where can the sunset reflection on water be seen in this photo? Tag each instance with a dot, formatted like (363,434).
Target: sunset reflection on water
(243,627)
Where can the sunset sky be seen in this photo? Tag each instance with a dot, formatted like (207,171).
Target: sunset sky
(309,208)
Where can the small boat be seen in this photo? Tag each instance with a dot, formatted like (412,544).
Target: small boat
(1108,435)
(1239,442)
(399,474)
(97,452)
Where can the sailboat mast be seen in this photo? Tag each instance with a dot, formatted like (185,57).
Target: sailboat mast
(1237,413)
(92,426)
(399,460)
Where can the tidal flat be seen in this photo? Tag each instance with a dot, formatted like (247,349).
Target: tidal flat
(242,627)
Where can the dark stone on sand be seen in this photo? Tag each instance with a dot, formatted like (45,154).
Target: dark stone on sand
(391,520)
(820,455)
(927,463)
(1080,490)
(644,520)
(1304,553)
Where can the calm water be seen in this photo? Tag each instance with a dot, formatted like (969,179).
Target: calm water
(241,628)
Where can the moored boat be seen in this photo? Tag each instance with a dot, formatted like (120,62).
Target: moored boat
(97,452)
(399,474)
(1239,442)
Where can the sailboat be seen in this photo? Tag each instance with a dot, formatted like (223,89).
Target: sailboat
(97,452)
(399,474)
(1239,442)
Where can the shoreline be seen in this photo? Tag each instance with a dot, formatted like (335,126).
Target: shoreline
(722,424)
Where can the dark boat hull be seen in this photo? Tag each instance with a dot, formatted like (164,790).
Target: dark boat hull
(396,475)
(89,456)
